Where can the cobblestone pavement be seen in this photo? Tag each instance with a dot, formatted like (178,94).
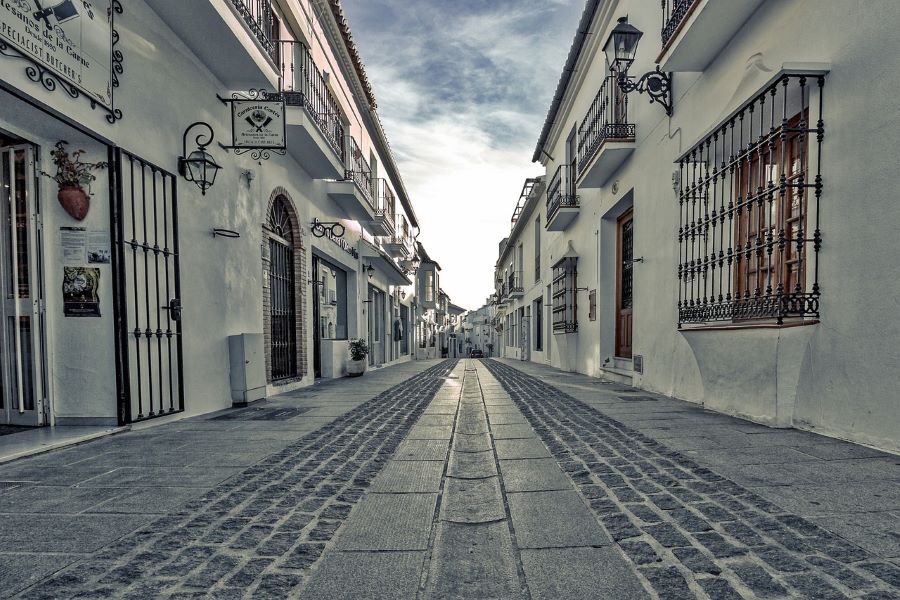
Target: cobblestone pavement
(688,531)
(259,532)
(469,479)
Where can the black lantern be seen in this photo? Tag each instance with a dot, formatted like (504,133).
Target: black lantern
(198,166)
(370,271)
(622,45)
(620,50)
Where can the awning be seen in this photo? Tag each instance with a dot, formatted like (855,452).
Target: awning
(383,264)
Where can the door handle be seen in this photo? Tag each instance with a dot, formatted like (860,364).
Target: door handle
(174,308)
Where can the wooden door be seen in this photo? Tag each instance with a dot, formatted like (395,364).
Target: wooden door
(624,284)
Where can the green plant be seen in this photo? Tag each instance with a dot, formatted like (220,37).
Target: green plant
(71,171)
(359,349)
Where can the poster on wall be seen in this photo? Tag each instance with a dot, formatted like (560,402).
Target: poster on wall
(98,252)
(71,39)
(81,295)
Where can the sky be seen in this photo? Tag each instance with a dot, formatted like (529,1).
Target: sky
(463,88)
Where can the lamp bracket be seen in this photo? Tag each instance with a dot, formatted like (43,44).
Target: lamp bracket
(207,134)
(656,84)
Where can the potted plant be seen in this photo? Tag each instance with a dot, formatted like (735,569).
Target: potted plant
(359,350)
(71,174)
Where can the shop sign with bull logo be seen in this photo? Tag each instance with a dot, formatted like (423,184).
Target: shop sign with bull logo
(68,40)
(258,124)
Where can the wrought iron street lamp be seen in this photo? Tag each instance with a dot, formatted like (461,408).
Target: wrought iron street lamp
(198,166)
(620,50)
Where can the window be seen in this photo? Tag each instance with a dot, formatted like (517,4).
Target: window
(332,298)
(429,286)
(749,234)
(564,288)
(761,219)
(537,249)
(538,312)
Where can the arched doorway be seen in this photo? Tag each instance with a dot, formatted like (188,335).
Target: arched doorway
(283,291)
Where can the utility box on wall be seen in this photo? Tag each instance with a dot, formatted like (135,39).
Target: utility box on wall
(248,368)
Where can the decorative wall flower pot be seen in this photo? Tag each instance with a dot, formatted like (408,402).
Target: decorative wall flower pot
(355,368)
(75,200)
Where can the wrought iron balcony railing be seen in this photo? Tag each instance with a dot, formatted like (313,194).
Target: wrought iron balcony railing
(259,17)
(359,171)
(675,12)
(561,191)
(514,283)
(606,119)
(302,84)
(385,202)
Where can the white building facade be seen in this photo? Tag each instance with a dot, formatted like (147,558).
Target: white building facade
(712,254)
(167,298)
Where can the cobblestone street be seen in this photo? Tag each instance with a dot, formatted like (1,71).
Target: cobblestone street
(455,479)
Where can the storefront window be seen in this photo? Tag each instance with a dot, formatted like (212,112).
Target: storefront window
(332,298)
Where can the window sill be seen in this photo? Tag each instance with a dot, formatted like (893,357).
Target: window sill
(743,326)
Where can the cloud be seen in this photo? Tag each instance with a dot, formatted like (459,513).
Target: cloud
(463,87)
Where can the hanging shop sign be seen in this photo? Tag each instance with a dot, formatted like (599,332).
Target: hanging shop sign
(69,44)
(257,123)
(326,229)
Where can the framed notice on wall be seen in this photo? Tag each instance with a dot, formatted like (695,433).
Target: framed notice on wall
(69,43)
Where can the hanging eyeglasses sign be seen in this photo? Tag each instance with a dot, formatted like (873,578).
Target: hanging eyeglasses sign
(331,229)
(620,50)
(257,123)
(198,166)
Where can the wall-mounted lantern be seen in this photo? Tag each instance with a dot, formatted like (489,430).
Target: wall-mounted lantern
(620,49)
(370,271)
(198,166)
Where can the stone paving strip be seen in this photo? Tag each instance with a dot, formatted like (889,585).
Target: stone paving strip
(686,531)
(473,506)
(259,533)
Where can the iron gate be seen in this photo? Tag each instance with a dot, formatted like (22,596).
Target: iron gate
(144,222)
(284,320)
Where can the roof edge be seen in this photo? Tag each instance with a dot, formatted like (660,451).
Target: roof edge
(590,10)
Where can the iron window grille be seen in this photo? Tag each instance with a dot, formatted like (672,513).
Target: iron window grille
(302,84)
(564,291)
(561,191)
(282,293)
(675,13)
(259,17)
(606,119)
(749,198)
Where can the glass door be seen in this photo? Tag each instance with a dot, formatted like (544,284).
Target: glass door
(22,393)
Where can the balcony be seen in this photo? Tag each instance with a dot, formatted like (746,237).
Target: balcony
(399,245)
(605,137)
(233,38)
(353,193)
(316,132)
(562,203)
(694,32)
(515,285)
(385,209)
